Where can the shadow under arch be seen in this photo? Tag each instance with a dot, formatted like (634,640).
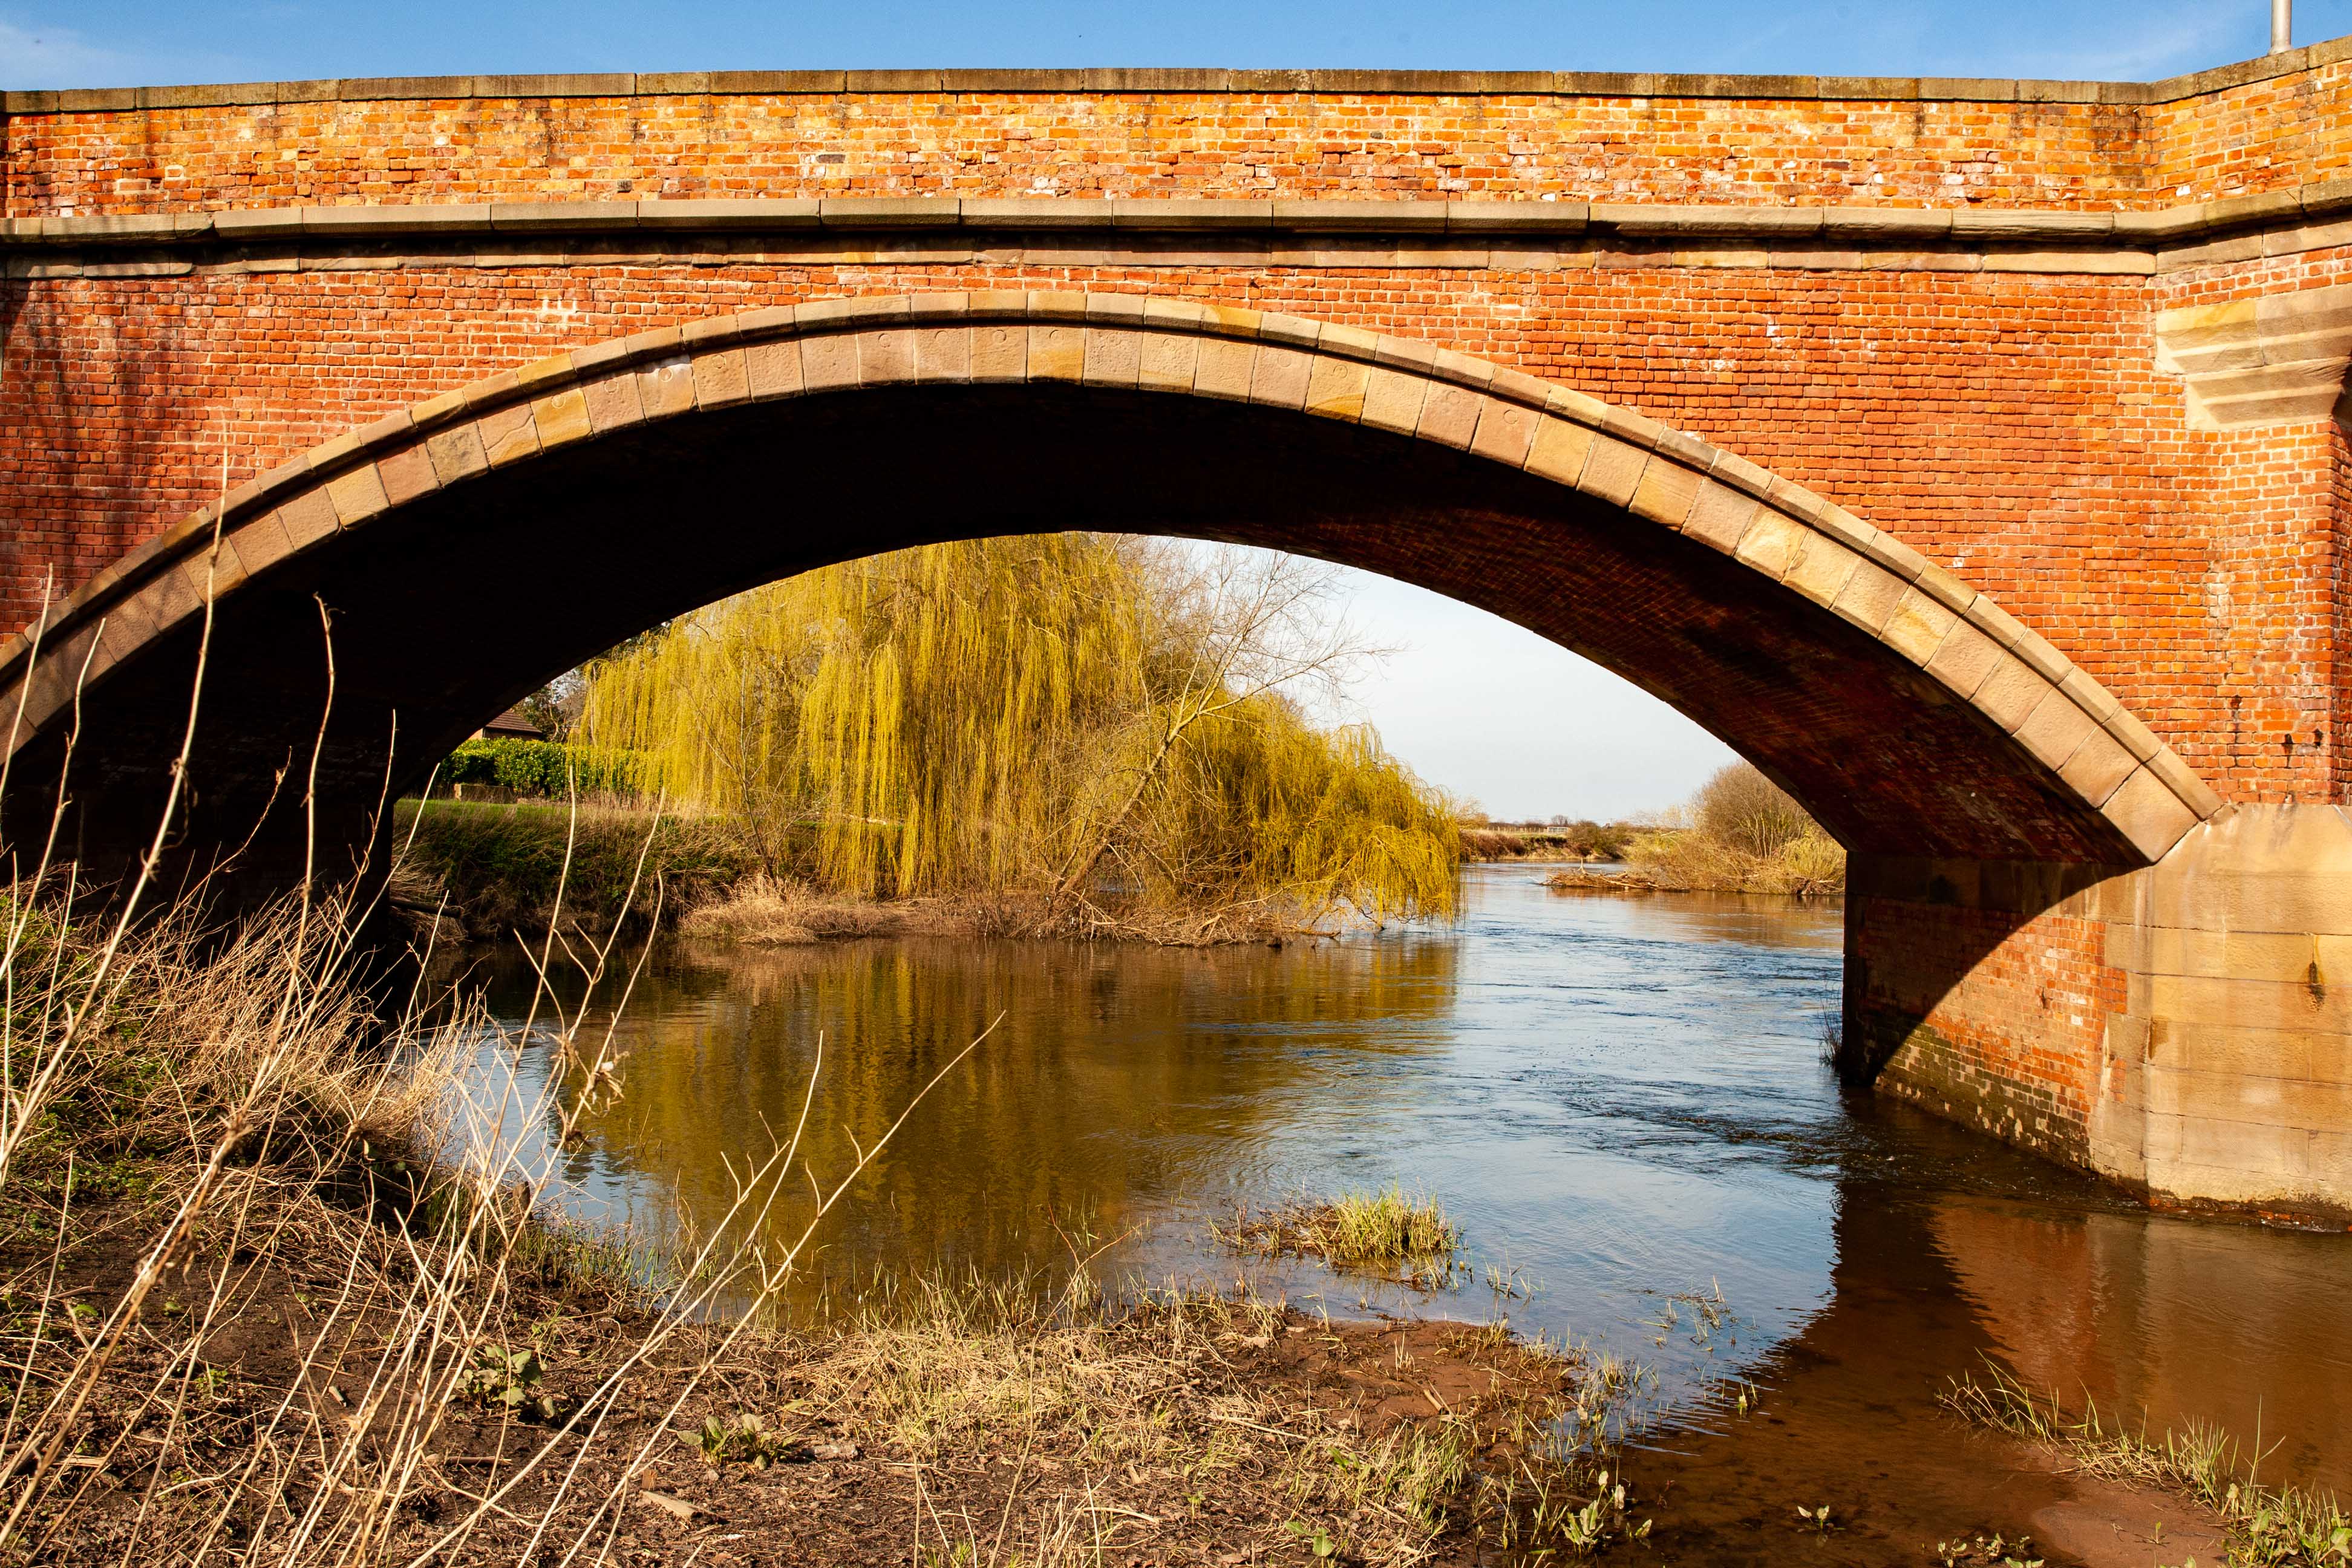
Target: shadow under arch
(471,547)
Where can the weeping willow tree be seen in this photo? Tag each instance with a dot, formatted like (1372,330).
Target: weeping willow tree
(1100,729)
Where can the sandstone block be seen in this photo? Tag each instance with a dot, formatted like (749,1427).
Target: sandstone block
(1278,378)
(2095,699)
(1966,658)
(1114,357)
(2055,730)
(886,358)
(1559,450)
(508,435)
(1665,491)
(1226,369)
(563,417)
(358,495)
(1869,596)
(1167,362)
(1000,352)
(1612,470)
(1822,566)
(1449,414)
(828,364)
(1335,388)
(308,518)
(667,388)
(1737,522)
(407,474)
(2010,691)
(611,402)
(1918,627)
(1057,352)
(1505,432)
(456,453)
(943,354)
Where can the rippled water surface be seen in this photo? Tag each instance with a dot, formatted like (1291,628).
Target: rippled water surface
(1619,1098)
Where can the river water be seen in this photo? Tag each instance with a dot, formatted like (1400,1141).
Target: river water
(1620,1099)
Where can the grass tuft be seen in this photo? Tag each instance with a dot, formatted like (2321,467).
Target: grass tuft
(2268,1525)
(1381,1229)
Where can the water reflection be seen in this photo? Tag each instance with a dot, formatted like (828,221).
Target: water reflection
(1620,1098)
(1110,1077)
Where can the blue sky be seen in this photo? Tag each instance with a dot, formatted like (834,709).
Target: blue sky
(1480,707)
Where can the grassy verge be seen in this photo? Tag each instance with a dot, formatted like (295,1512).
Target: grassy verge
(2268,1525)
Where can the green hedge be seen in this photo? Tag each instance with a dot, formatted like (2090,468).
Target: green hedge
(539,767)
(501,863)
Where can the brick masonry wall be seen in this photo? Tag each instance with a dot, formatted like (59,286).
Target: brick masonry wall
(2263,136)
(2010,427)
(983,145)
(1993,1019)
(1898,150)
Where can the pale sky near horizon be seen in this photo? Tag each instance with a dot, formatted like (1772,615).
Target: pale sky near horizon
(1476,705)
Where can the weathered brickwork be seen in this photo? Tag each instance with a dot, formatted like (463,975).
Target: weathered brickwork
(985,144)
(2011,1041)
(2008,427)
(1897,144)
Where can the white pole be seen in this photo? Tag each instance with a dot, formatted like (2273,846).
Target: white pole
(2281,26)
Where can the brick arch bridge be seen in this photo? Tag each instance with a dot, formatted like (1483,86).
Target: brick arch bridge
(502,369)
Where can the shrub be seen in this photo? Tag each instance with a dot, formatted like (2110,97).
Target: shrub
(1741,807)
(500,864)
(542,767)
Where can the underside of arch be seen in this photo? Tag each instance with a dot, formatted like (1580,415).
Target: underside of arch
(472,546)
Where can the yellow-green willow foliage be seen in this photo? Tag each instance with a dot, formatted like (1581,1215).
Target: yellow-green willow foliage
(1025,718)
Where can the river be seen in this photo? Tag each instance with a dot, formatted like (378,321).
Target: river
(1620,1099)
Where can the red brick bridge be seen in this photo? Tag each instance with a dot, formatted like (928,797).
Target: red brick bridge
(1962,452)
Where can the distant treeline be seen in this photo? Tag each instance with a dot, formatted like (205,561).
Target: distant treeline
(1740,834)
(1555,840)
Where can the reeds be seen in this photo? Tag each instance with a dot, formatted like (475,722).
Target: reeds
(2268,1525)
(1740,834)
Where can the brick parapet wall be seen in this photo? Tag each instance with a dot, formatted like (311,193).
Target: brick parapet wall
(1779,143)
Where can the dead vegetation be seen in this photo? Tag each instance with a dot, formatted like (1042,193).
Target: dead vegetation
(765,911)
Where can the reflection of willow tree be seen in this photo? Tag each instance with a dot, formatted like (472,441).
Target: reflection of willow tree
(1102,729)
(1106,1066)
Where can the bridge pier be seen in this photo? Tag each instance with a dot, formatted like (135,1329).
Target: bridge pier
(2184,1029)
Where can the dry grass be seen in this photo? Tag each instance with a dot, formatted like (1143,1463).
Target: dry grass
(2268,1525)
(764,911)
(277,1291)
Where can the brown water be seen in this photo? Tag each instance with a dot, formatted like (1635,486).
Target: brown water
(1621,1101)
